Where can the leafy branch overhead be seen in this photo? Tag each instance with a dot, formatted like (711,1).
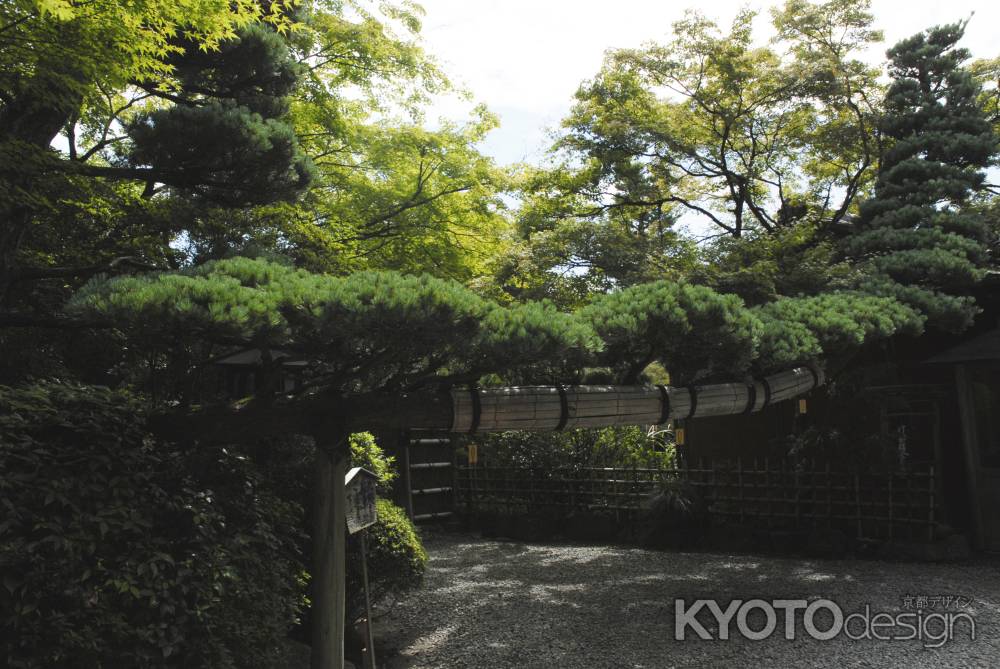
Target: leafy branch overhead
(716,128)
(374,331)
(370,330)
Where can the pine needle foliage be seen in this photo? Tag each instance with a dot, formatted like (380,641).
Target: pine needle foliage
(920,242)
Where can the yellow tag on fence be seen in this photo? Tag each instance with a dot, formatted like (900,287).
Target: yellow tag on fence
(473,454)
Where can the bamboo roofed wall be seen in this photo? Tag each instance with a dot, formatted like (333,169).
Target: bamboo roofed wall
(562,407)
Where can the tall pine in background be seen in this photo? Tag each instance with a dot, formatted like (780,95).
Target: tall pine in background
(226,139)
(918,240)
(100,117)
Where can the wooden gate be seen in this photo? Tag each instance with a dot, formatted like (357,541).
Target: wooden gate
(428,470)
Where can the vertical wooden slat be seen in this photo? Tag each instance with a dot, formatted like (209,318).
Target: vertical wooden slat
(891,506)
(857,505)
(798,494)
(739,485)
(930,515)
(829,497)
(407,475)
(767,491)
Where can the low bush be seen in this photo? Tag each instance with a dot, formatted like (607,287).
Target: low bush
(607,447)
(118,551)
(396,558)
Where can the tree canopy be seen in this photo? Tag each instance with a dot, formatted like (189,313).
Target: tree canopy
(378,331)
(716,127)
(108,67)
(183,180)
(275,132)
(923,246)
(368,331)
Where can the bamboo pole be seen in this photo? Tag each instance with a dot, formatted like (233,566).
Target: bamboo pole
(548,408)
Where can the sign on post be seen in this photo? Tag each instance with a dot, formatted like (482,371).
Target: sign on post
(359,491)
(360,487)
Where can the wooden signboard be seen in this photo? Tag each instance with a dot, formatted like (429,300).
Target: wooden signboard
(360,487)
(359,492)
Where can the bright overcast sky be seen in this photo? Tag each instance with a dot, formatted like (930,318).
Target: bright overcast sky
(524,59)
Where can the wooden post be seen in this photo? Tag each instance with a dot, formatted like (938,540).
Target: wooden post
(472,499)
(970,451)
(713,483)
(369,637)
(486,486)
(407,475)
(329,554)
(454,480)
(574,484)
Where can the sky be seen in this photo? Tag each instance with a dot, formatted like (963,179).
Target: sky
(525,58)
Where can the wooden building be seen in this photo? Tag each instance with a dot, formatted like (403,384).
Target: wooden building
(975,368)
(240,373)
(932,406)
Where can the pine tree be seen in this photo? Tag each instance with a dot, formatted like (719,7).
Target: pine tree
(195,104)
(226,139)
(916,237)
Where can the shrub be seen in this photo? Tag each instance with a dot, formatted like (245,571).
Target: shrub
(117,551)
(365,452)
(396,558)
(607,447)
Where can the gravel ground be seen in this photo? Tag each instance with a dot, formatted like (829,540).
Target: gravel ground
(496,604)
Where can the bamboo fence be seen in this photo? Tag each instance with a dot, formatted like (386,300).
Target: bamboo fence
(771,493)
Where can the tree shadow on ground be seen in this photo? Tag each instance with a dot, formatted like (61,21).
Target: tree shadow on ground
(506,604)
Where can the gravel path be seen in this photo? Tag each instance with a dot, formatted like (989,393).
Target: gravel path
(496,604)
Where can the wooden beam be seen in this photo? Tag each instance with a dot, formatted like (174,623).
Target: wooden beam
(488,409)
(306,415)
